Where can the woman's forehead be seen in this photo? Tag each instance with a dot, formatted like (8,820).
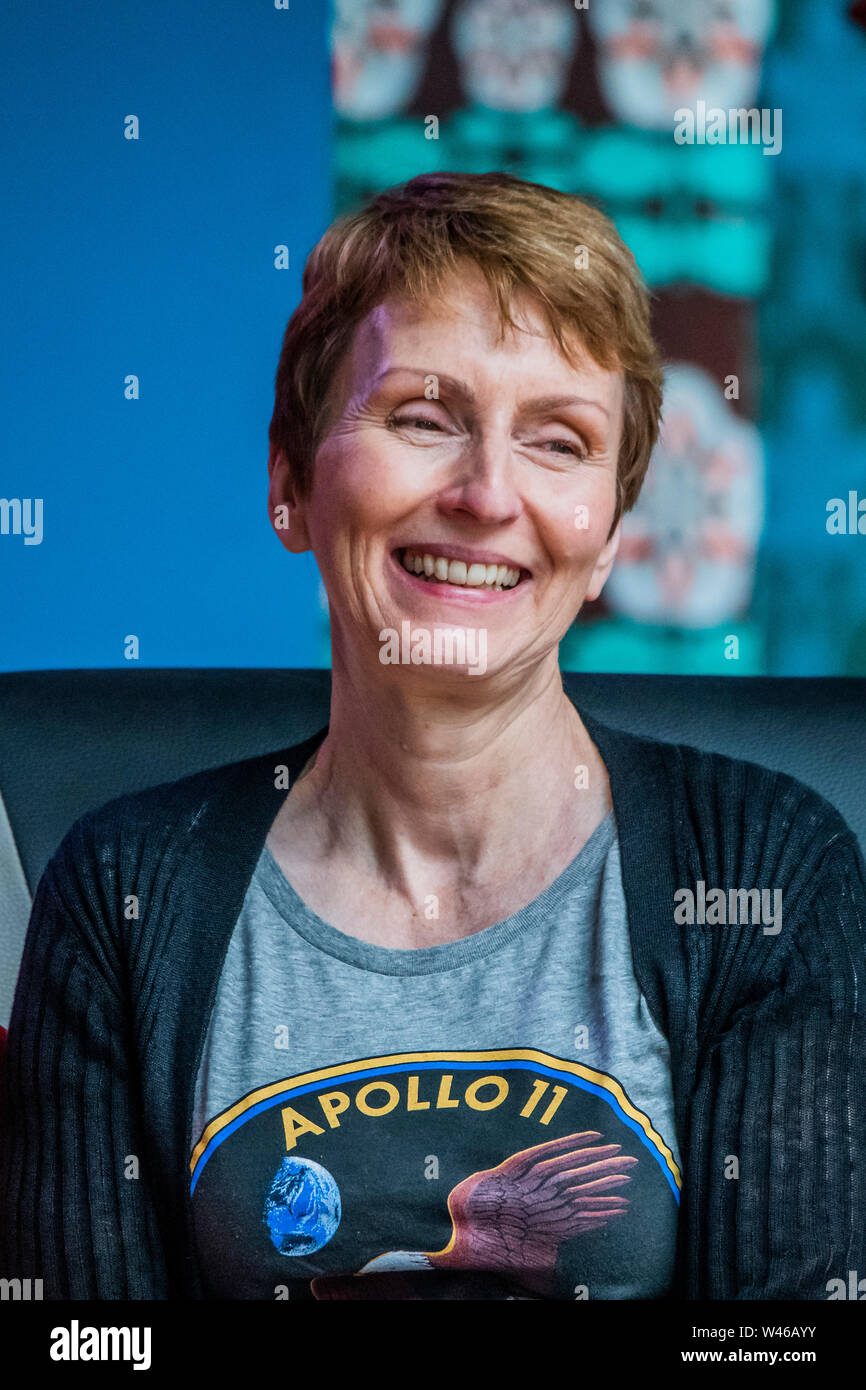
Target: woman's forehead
(441,334)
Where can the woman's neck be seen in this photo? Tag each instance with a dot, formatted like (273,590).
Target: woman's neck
(453,792)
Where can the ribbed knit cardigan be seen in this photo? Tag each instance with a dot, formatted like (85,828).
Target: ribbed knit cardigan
(130,926)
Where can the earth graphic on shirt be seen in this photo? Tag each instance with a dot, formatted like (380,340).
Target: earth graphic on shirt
(302,1208)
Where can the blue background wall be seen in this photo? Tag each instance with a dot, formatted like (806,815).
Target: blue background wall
(155,257)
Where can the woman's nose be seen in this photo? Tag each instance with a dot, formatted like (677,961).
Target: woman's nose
(484,482)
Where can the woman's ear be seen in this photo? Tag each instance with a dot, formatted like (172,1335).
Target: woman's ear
(604,563)
(285,510)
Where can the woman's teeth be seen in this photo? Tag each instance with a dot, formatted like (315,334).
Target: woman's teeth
(475,576)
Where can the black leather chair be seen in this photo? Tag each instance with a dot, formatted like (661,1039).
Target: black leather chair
(70,740)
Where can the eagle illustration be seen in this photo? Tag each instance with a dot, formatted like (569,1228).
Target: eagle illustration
(507,1222)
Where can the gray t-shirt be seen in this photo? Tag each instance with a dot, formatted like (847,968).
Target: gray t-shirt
(490,1118)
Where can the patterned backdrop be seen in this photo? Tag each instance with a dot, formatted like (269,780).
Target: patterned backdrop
(753,247)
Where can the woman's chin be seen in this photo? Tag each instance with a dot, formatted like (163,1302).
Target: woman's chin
(438,651)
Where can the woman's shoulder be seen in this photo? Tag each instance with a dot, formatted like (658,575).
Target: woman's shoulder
(762,792)
(154,824)
(712,788)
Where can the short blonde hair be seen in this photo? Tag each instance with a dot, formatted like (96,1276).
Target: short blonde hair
(407,241)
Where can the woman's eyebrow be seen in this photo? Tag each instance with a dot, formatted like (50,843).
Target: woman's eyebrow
(536,404)
(454,383)
(541,403)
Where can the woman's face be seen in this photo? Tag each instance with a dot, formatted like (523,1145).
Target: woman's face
(444,442)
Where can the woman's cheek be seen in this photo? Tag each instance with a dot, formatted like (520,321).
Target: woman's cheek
(387,466)
(588,526)
(358,479)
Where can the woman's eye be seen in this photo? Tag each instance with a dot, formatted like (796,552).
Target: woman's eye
(560,445)
(421,422)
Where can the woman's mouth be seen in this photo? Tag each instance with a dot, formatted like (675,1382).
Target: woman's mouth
(441,569)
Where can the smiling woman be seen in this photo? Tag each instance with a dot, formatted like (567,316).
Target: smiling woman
(428,473)
(469,374)
(411,1009)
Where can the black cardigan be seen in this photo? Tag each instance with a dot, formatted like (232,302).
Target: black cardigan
(133,916)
